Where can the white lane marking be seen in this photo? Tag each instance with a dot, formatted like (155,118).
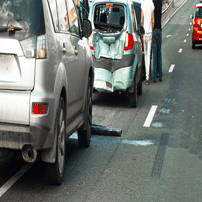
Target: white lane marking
(185,40)
(171,68)
(150,116)
(180,50)
(174,13)
(190,23)
(169,36)
(14,179)
(187,34)
(189,29)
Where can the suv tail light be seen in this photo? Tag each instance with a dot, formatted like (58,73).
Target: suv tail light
(91,42)
(40,108)
(41,46)
(128,41)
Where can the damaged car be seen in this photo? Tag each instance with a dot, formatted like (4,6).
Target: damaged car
(115,44)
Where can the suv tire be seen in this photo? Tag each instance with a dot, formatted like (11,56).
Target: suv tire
(55,171)
(84,136)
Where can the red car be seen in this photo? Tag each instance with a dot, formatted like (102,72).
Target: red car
(197,26)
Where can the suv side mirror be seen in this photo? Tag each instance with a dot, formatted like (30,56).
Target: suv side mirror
(141,30)
(87,28)
(192,16)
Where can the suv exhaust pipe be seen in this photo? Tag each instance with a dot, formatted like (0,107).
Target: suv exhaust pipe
(29,154)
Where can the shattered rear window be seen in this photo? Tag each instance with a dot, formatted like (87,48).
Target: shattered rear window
(109,17)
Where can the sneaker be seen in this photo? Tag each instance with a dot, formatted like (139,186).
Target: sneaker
(154,80)
(147,82)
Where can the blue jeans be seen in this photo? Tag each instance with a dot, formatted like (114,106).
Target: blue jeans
(157,55)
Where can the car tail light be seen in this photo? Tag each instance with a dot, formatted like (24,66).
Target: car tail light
(91,42)
(40,108)
(41,46)
(128,41)
(196,22)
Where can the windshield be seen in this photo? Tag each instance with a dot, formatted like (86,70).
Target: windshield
(109,16)
(26,16)
(199,12)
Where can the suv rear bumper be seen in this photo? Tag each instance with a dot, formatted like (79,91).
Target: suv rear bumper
(119,80)
(17,136)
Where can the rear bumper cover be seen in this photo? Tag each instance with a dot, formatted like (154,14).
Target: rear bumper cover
(16,136)
(119,80)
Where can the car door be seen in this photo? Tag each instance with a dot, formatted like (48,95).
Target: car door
(77,69)
(70,53)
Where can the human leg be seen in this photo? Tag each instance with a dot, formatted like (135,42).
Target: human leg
(159,43)
(155,54)
(147,50)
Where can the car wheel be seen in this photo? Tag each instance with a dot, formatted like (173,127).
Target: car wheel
(193,44)
(133,96)
(139,85)
(55,171)
(84,136)
(143,68)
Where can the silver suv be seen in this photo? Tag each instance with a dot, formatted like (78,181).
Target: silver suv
(46,80)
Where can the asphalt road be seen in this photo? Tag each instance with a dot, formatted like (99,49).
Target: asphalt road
(162,162)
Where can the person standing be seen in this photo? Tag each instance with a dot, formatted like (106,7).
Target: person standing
(147,21)
(157,41)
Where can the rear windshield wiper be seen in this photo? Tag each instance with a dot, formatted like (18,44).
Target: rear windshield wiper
(9,28)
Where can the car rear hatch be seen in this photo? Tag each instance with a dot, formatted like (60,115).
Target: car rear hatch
(198,21)
(109,31)
(20,23)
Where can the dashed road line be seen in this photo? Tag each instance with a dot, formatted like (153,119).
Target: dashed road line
(187,34)
(150,116)
(180,50)
(171,68)
(185,40)
(14,179)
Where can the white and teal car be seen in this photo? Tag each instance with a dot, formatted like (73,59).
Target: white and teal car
(116,48)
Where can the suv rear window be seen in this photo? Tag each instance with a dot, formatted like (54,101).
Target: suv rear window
(109,17)
(27,15)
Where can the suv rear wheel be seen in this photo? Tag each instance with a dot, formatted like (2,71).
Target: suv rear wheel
(84,136)
(55,171)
